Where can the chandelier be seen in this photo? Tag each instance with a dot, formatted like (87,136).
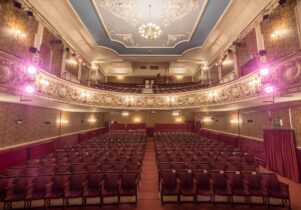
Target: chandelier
(150,31)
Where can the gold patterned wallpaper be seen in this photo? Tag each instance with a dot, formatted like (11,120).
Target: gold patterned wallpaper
(39,123)
(280,32)
(252,121)
(247,49)
(17,31)
(56,49)
(149,117)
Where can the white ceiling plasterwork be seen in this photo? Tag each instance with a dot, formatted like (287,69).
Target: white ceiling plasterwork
(177,19)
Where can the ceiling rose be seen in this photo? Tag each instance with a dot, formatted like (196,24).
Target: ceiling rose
(150,31)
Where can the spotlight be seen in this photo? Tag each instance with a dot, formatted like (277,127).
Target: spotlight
(29,14)
(32,50)
(29,89)
(282,2)
(262,52)
(17,4)
(31,70)
(269,88)
(264,71)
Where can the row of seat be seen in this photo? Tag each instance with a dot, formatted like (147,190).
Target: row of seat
(242,188)
(206,166)
(72,168)
(77,175)
(197,169)
(122,187)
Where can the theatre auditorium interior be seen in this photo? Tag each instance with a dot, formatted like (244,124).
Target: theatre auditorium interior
(150,104)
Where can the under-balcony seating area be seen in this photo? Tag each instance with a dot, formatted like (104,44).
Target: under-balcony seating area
(200,170)
(178,87)
(120,87)
(100,171)
(157,88)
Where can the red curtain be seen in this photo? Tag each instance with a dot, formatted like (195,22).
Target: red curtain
(281,153)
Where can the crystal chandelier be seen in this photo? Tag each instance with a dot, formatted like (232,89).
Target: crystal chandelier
(150,31)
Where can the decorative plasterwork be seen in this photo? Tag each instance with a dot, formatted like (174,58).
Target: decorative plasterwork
(178,9)
(125,10)
(194,18)
(126,38)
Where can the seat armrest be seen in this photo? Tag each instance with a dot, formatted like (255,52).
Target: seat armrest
(284,187)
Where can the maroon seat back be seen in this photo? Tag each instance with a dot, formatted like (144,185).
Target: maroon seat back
(128,180)
(59,183)
(236,181)
(271,181)
(203,180)
(94,180)
(169,179)
(220,180)
(40,184)
(111,181)
(76,181)
(20,186)
(254,181)
(186,179)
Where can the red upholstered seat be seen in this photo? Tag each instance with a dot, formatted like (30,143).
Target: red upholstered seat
(93,185)
(203,184)
(219,184)
(169,185)
(90,168)
(75,187)
(119,167)
(63,169)
(128,184)
(58,187)
(78,168)
(187,184)
(110,185)
(276,189)
(255,186)
(238,187)
(19,191)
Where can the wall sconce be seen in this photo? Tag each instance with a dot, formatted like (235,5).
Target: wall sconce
(279,33)
(19,34)
(19,122)
(62,121)
(92,120)
(47,122)
(125,114)
(137,119)
(179,77)
(179,119)
(175,114)
(120,77)
(235,121)
(207,119)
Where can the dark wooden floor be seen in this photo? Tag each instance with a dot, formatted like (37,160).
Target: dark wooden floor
(149,196)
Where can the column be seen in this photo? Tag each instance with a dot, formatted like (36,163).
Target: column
(63,68)
(38,39)
(219,69)
(260,40)
(235,63)
(79,72)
